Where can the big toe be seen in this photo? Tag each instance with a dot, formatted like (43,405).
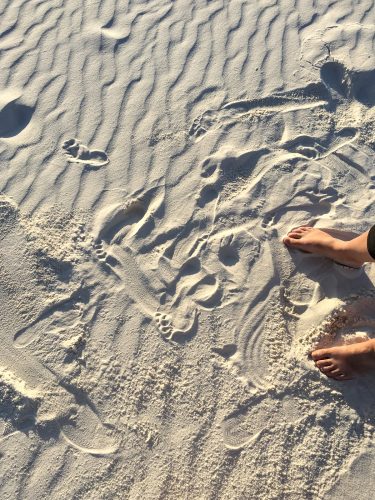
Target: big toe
(292,239)
(320,354)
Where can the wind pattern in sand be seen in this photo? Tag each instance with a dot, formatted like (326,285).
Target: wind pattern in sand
(155,330)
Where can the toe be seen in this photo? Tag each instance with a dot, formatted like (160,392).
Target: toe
(292,239)
(293,234)
(343,376)
(302,228)
(287,241)
(336,372)
(320,354)
(328,369)
(323,363)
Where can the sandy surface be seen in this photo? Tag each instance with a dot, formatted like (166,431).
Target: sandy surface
(154,329)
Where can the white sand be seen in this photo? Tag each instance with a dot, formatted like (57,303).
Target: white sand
(154,330)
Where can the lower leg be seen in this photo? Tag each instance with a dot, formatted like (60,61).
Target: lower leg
(358,248)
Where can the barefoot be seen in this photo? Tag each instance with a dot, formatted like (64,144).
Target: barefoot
(345,362)
(322,242)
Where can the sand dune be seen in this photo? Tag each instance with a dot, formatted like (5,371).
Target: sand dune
(155,331)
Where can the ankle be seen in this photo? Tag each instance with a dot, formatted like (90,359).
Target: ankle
(340,245)
(347,249)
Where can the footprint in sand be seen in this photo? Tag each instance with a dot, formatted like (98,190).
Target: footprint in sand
(235,251)
(203,123)
(169,332)
(113,224)
(309,97)
(14,117)
(164,324)
(228,251)
(116,221)
(144,288)
(87,434)
(31,392)
(172,295)
(99,251)
(188,281)
(133,219)
(79,153)
(226,173)
(312,148)
(48,408)
(323,104)
(240,428)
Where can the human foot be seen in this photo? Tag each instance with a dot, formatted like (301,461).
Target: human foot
(344,362)
(322,242)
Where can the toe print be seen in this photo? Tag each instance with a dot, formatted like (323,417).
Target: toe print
(164,325)
(77,152)
(99,251)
